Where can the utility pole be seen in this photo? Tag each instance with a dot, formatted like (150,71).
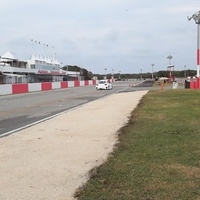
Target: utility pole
(185,71)
(105,73)
(169,57)
(196,18)
(152,70)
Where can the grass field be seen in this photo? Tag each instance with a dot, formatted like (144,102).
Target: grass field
(158,154)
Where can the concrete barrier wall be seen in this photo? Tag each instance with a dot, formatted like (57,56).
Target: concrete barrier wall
(70,83)
(82,83)
(76,83)
(19,88)
(34,87)
(64,84)
(56,85)
(5,89)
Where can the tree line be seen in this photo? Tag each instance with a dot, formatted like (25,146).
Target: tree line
(88,75)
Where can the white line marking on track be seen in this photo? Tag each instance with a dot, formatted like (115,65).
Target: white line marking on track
(47,118)
(37,122)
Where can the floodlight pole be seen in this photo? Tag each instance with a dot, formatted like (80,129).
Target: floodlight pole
(105,73)
(112,74)
(185,71)
(198,46)
(196,18)
(169,58)
(152,65)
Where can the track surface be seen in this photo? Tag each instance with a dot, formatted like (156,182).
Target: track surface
(21,110)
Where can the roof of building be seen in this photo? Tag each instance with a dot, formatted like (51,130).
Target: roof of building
(12,56)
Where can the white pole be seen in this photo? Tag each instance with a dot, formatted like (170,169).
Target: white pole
(198,49)
(152,70)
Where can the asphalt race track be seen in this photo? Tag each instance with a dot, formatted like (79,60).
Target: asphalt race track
(23,110)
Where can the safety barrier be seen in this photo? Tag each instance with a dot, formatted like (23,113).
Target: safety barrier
(44,86)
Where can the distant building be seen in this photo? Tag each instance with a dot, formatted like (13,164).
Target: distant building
(14,69)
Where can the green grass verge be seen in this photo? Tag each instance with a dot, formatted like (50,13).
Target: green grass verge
(158,155)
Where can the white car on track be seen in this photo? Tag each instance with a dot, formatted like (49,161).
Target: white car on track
(103,85)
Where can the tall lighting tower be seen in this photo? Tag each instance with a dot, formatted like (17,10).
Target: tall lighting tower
(152,65)
(105,73)
(112,75)
(170,68)
(196,18)
(169,58)
(185,71)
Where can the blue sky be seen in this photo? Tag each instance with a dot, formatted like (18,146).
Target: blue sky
(120,35)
